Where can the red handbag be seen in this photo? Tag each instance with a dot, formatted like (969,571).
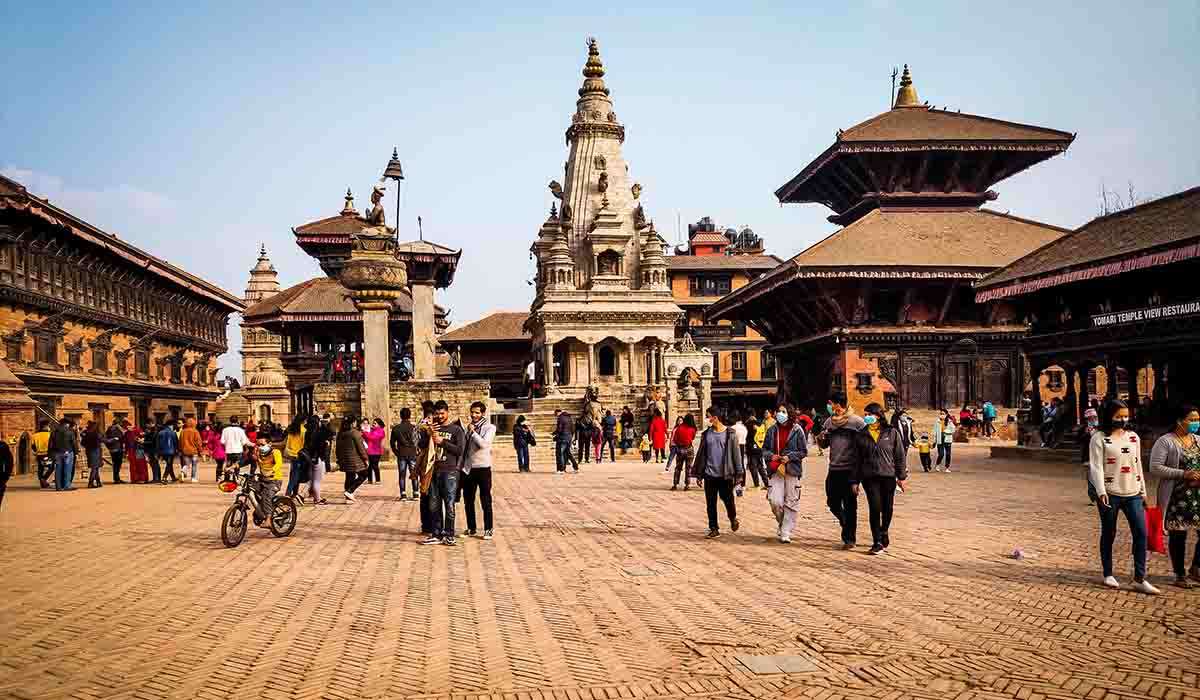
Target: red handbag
(1154,530)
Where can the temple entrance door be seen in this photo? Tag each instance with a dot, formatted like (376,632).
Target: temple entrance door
(561,356)
(957,383)
(608,361)
(918,382)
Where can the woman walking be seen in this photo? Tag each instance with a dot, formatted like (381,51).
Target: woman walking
(293,445)
(522,440)
(314,439)
(375,437)
(216,449)
(674,451)
(351,456)
(658,436)
(943,437)
(1175,460)
(139,470)
(882,467)
(681,447)
(91,442)
(1115,470)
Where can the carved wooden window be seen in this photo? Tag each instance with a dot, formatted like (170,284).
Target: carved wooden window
(100,359)
(141,362)
(190,371)
(738,362)
(767,362)
(75,356)
(122,363)
(45,349)
(176,371)
(864,382)
(14,348)
(709,285)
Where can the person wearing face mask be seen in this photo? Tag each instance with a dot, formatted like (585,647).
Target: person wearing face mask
(943,437)
(784,449)
(719,463)
(477,469)
(1175,460)
(1115,470)
(882,468)
(269,462)
(839,436)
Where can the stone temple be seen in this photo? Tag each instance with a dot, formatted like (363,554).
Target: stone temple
(603,313)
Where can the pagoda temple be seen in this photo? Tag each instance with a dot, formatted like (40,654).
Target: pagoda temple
(603,311)
(883,308)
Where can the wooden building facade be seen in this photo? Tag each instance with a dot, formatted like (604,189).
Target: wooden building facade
(95,328)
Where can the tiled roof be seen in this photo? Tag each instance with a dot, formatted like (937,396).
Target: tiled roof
(320,298)
(340,224)
(920,124)
(502,325)
(957,238)
(709,238)
(1148,227)
(722,262)
(426,247)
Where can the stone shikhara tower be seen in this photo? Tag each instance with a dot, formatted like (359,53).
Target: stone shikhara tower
(603,311)
(264,384)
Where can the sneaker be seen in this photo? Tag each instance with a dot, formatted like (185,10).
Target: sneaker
(784,539)
(559,473)
(713,534)
(947,470)
(1145,587)
(195,480)
(739,492)
(469,533)
(299,499)
(430,539)
(1112,582)
(875,549)
(349,496)
(322,502)
(847,546)
(674,487)
(449,542)
(487,535)
(734,525)
(687,488)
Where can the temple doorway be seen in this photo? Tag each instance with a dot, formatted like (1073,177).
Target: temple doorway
(607,361)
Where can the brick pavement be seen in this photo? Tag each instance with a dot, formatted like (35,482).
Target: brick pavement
(599,585)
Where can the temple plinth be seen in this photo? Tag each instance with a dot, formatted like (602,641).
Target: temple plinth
(429,266)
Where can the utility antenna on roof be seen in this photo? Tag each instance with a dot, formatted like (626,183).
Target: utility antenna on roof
(892,94)
(420,231)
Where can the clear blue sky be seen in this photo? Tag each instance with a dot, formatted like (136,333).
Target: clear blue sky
(198,130)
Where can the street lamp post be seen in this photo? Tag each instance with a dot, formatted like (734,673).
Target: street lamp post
(393,171)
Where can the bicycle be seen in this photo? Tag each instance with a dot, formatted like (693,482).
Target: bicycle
(247,505)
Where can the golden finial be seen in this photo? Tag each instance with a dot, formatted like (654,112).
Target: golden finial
(593,71)
(349,209)
(906,96)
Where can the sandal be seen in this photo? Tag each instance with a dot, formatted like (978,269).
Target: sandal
(1183,582)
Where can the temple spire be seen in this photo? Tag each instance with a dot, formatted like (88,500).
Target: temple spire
(348,209)
(906,96)
(593,72)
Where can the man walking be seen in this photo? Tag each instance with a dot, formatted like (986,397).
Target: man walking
(477,469)
(739,433)
(719,463)
(234,440)
(166,447)
(841,485)
(114,440)
(564,431)
(448,440)
(989,419)
(608,427)
(64,444)
(403,442)
(784,448)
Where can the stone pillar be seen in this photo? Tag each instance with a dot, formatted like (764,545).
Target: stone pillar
(632,364)
(424,366)
(376,382)
(591,362)
(548,366)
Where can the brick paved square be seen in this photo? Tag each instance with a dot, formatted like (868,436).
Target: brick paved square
(598,585)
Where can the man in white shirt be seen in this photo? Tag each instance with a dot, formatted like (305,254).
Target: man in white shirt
(234,440)
(530,377)
(739,434)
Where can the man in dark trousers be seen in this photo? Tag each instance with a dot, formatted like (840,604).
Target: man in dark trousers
(448,440)
(64,446)
(405,437)
(839,436)
(719,463)
(564,431)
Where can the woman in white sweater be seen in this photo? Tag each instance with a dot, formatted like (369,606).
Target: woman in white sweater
(1115,471)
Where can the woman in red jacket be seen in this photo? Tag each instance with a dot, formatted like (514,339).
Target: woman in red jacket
(658,436)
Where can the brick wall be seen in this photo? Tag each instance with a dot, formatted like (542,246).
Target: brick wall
(344,399)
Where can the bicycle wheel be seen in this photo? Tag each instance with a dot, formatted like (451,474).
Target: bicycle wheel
(283,516)
(233,526)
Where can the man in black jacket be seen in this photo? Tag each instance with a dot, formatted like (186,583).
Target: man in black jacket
(564,431)
(404,439)
(840,436)
(64,445)
(449,442)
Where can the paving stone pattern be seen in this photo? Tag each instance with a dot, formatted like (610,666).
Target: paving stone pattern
(598,585)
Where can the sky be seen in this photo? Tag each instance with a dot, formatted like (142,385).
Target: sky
(198,131)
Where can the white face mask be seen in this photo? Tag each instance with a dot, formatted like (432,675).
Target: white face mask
(264,449)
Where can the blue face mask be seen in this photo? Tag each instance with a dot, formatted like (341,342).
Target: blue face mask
(1194,427)
(782,417)
(870,420)
(829,408)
